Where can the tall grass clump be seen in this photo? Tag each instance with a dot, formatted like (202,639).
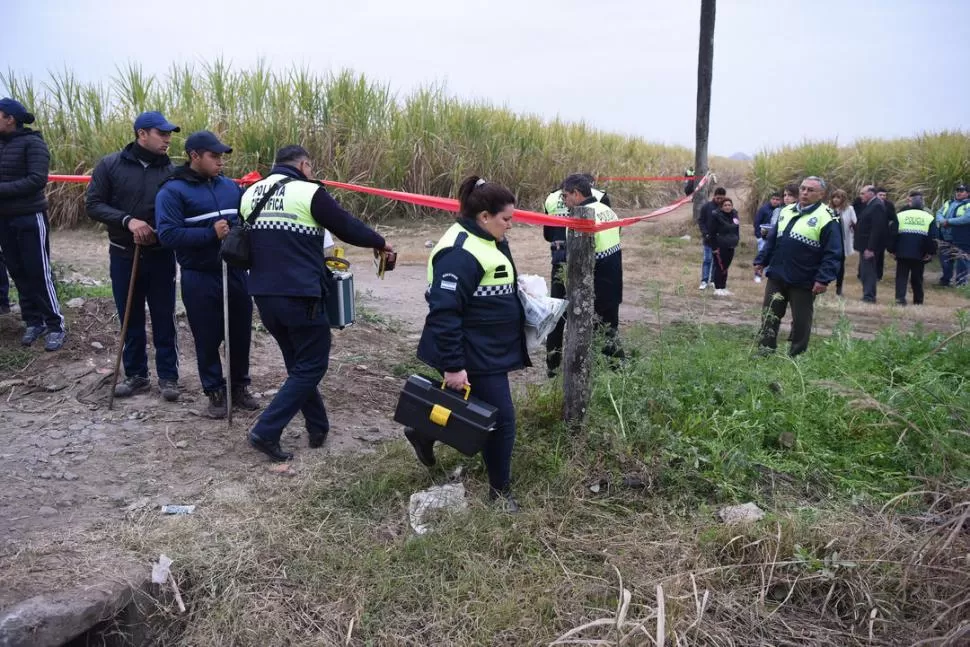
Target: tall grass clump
(358,130)
(931,162)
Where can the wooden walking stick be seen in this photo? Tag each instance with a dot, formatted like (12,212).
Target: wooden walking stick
(227,372)
(124,326)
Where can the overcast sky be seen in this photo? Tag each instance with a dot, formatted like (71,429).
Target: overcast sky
(784,70)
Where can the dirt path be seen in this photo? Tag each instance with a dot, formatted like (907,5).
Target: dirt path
(67,463)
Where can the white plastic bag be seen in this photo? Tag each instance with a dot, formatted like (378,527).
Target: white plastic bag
(542,312)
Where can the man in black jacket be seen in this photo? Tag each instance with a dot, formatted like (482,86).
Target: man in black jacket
(871,237)
(883,195)
(122,196)
(24,229)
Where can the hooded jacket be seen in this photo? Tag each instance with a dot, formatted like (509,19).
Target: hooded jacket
(24,166)
(186,207)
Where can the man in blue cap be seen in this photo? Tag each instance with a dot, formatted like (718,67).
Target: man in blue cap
(24,229)
(121,195)
(194,210)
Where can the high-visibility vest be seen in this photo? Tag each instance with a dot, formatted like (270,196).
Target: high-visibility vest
(498,278)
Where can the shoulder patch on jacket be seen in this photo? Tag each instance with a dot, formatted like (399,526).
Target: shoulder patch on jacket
(448,282)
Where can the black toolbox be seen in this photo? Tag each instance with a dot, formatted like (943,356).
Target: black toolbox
(456,419)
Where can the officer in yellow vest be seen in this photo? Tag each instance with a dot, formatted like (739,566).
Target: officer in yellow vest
(555,205)
(608,271)
(912,241)
(474,333)
(289,282)
(802,256)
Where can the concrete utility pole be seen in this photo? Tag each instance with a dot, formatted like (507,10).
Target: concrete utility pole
(580,323)
(705,74)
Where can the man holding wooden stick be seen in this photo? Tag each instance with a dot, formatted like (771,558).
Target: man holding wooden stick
(121,195)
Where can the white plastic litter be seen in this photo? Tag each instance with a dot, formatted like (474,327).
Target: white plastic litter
(542,312)
(440,497)
(161,573)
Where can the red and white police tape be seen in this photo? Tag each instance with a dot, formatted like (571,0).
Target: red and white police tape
(450,204)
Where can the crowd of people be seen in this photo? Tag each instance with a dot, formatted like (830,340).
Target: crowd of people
(162,219)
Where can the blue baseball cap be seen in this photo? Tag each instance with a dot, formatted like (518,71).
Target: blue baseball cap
(154,119)
(205,140)
(15,109)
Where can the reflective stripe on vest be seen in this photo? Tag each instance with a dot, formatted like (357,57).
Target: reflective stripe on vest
(808,228)
(915,221)
(556,206)
(498,278)
(608,240)
(287,210)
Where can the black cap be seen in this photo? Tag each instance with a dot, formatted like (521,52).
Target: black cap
(205,140)
(961,187)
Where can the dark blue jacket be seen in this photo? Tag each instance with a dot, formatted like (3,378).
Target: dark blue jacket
(959,227)
(912,246)
(123,187)
(186,208)
(484,334)
(24,165)
(763,217)
(800,264)
(289,263)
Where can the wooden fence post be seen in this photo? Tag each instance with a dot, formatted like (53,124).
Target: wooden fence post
(580,323)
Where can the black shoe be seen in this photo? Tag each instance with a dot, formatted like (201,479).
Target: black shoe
(169,389)
(316,439)
(505,499)
(132,385)
(32,334)
(271,449)
(243,399)
(217,404)
(901,302)
(423,447)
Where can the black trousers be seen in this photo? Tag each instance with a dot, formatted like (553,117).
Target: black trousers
(909,271)
(301,328)
(26,250)
(777,297)
(840,279)
(554,340)
(869,275)
(722,262)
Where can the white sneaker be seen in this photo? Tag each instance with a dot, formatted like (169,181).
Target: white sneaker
(722,293)
(757,279)
(702,286)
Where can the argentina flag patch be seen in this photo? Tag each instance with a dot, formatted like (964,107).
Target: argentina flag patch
(448,282)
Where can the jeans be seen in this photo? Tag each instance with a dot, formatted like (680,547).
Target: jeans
(155,284)
(707,266)
(301,328)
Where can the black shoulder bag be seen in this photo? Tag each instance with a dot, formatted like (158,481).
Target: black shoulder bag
(236,248)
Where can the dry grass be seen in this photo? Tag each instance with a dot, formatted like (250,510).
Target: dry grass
(326,559)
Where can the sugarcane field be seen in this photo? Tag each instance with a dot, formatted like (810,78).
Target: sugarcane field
(488,324)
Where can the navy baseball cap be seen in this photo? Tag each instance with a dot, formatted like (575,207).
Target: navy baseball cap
(15,109)
(205,140)
(154,119)
(960,187)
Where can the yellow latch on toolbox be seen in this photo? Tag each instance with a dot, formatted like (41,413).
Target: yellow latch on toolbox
(439,415)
